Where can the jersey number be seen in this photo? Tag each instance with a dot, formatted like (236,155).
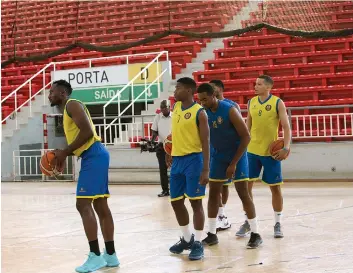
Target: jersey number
(260,112)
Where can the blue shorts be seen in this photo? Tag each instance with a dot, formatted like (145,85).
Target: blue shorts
(272,174)
(219,167)
(93,177)
(185,177)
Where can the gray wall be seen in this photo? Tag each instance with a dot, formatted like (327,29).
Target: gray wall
(306,161)
(30,133)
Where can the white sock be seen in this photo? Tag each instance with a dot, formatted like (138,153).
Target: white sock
(220,211)
(186,233)
(198,235)
(278,217)
(212,225)
(253,225)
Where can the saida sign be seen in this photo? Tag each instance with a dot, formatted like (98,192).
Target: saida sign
(97,85)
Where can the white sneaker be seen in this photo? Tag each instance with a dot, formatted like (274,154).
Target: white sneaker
(223,223)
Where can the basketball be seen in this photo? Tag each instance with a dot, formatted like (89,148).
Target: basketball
(167,145)
(48,165)
(276,146)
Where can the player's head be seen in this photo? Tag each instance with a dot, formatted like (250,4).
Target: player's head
(59,92)
(184,89)
(165,107)
(218,87)
(207,95)
(263,85)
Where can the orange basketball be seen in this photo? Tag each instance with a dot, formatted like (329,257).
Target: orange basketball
(167,145)
(276,146)
(48,165)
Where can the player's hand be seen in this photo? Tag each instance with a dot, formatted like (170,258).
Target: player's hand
(60,156)
(168,160)
(204,177)
(280,155)
(231,171)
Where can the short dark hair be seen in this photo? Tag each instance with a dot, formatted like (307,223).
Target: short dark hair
(64,84)
(164,104)
(188,82)
(267,79)
(205,88)
(218,83)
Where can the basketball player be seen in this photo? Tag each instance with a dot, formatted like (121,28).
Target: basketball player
(222,219)
(265,111)
(229,138)
(92,185)
(189,166)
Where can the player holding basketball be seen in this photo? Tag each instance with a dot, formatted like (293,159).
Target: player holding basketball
(222,219)
(229,138)
(92,185)
(265,111)
(189,166)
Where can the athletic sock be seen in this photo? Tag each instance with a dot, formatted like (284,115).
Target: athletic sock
(186,233)
(198,235)
(278,217)
(253,225)
(94,247)
(109,247)
(220,211)
(212,225)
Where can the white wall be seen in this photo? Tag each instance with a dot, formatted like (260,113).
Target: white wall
(306,161)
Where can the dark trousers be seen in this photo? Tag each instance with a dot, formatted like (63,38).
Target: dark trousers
(163,170)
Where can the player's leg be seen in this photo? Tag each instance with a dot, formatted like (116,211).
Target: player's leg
(241,178)
(273,177)
(91,185)
(195,193)
(177,191)
(163,171)
(214,199)
(254,167)
(222,219)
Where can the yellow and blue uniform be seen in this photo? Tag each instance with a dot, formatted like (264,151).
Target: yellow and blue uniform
(264,130)
(93,177)
(225,141)
(187,154)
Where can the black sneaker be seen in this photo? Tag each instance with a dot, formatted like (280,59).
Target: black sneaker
(182,245)
(163,194)
(210,240)
(255,240)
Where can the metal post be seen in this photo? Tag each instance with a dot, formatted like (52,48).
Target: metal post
(30,98)
(104,129)
(15,113)
(14,165)
(44,100)
(158,85)
(45,131)
(290,124)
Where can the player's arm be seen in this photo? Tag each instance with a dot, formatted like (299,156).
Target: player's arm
(237,120)
(283,117)
(154,128)
(204,131)
(79,116)
(249,118)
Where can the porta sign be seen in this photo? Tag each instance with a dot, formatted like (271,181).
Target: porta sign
(94,76)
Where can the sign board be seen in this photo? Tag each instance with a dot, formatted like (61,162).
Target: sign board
(97,85)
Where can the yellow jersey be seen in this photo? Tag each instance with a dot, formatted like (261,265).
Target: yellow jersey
(265,123)
(185,132)
(71,130)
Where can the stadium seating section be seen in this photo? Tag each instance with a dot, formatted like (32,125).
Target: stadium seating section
(306,71)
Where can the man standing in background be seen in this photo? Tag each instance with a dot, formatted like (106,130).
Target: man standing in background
(161,128)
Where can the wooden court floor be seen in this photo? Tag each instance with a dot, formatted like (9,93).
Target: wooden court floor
(42,232)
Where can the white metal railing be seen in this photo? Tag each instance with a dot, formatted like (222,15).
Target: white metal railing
(145,92)
(33,89)
(303,127)
(26,166)
(322,125)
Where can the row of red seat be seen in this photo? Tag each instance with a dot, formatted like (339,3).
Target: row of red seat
(283,71)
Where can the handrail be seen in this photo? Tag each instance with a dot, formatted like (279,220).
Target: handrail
(133,79)
(132,102)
